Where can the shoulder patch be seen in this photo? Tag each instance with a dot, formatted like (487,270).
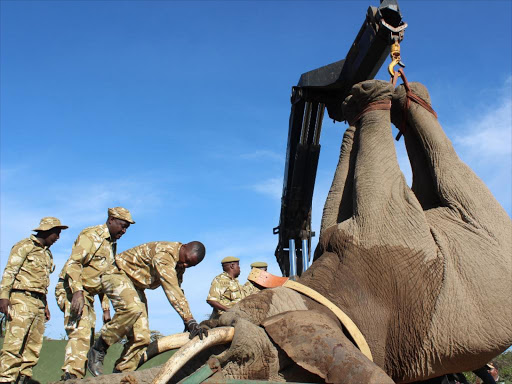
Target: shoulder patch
(99,231)
(24,243)
(94,231)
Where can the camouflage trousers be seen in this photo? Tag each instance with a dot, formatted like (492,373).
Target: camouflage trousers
(80,331)
(23,337)
(138,339)
(127,305)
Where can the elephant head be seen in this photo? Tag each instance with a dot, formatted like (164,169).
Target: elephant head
(423,271)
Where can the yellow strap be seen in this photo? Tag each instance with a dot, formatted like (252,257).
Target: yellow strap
(345,320)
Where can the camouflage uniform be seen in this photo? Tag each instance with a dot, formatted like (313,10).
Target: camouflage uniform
(249,288)
(225,290)
(92,269)
(150,266)
(25,283)
(80,331)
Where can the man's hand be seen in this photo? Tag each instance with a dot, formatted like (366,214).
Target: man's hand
(77,303)
(195,330)
(106,316)
(5,305)
(47,313)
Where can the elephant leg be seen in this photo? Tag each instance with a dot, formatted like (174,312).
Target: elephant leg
(338,205)
(376,168)
(452,183)
(422,184)
(315,342)
(384,206)
(473,233)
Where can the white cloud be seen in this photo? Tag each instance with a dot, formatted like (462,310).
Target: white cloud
(484,143)
(77,205)
(489,134)
(272,187)
(82,204)
(263,154)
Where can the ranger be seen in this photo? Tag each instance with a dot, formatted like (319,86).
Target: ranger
(91,270)
(80,330)
(23,301)
(225,290)
(149,266)
(250,287)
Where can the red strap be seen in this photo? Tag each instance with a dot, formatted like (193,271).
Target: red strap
(376,105)
(395,77)
(410,96)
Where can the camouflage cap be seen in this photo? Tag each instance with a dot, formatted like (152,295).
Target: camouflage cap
(259,264)
(229,259)
(48,223)
(121,213)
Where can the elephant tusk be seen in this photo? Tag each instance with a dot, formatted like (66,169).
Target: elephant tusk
(216,336)
(164,344)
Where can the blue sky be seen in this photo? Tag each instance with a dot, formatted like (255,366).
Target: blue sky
(179,112)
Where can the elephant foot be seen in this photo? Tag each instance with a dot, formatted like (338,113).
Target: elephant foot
(367,96)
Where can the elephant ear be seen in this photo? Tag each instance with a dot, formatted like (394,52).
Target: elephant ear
(315,342)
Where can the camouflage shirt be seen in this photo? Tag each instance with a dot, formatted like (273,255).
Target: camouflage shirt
(226,290)
(64,282)
(154,264)
(249,288)
(28,268)
(92,255)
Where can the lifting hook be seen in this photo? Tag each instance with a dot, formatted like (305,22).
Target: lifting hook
(395,58)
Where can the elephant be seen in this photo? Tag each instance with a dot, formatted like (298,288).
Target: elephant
(418,269)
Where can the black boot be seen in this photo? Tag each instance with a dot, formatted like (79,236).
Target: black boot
(95,357)
(24,379)
(67,376)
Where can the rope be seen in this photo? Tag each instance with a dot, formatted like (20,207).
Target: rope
(375,106)
(410,95)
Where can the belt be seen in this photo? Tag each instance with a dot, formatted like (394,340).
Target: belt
(35,295)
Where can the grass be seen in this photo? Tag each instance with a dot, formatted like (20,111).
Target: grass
(504,364)
(48,368)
